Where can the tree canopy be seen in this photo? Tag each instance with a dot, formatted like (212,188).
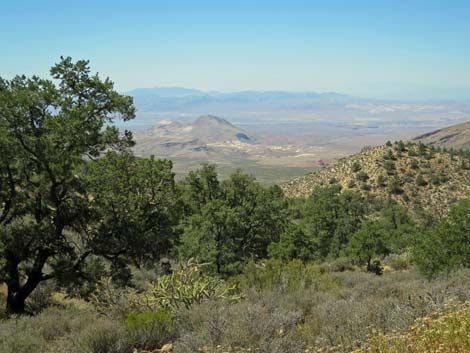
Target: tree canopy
(58,206)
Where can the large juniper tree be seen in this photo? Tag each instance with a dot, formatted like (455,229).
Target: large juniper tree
(51,222)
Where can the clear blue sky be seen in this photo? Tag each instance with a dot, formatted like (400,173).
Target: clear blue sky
(377,47)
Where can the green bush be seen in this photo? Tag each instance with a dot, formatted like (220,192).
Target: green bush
(420,181)
(398,262)
(381,181)
(394,186)
(362,176)
(389,166)
(356,167)
(150,330)
(282,276)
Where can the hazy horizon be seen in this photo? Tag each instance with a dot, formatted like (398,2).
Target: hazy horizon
(392,50)
(460,97)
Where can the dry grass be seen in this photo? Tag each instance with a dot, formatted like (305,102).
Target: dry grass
(446,331)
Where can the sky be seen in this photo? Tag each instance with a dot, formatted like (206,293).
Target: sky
(379,48)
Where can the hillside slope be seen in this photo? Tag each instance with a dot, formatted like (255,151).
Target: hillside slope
(208,135)
(412,174)
(455,136)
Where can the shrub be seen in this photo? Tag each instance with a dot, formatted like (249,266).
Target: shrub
(398,262)
(362,176)
(394,186)
(259,324)
(400,146)
(381,181)
(420,181)
(356,167)
(389,166)
(41,298)
(43,332)
(103,336)
(339,264)
(150,330)
(282,276)
(117,302)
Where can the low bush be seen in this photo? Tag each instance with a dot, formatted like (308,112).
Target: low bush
(39,333)
(259,325)
(339,264)
(150,330)
(398,262)
(282,276)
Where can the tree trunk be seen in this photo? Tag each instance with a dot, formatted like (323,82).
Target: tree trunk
(16,298)
(15,304)
(17,293)
(369,259)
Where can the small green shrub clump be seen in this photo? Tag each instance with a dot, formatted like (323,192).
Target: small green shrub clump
(150,330)
(420,181)
(356,167)
(282,276)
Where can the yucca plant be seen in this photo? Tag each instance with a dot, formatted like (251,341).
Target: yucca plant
(187,286)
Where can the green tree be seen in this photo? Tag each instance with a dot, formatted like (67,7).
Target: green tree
(233,223)
(293,244)
(136,209)
(49,131)
(447,246)
(370,241)
(331,217)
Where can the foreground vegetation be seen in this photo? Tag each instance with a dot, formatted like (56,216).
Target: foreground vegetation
(270,307)
(445,331)
(103,252)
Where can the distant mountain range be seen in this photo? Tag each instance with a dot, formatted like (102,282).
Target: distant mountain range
(185,100)
(330,109)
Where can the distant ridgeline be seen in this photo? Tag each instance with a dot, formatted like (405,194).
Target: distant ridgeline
(413,174)
(456,137)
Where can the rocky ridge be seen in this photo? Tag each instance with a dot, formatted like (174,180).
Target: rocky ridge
(412,174)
